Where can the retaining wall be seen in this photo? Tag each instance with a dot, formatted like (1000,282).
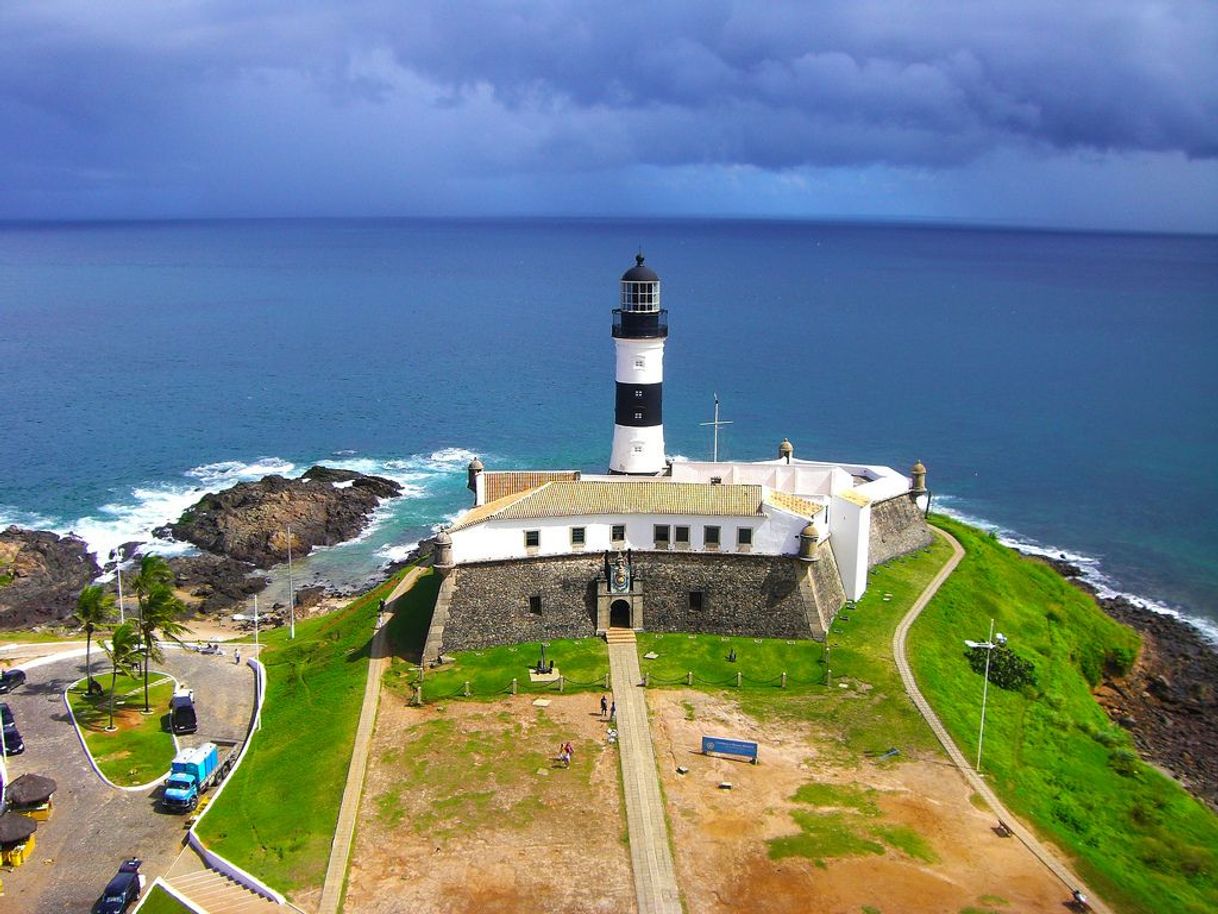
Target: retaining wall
(897,528)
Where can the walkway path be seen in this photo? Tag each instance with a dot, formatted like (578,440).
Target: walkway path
(1042,853)
(655,881)
(340,849)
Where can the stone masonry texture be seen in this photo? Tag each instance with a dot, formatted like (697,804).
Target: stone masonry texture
(897,528)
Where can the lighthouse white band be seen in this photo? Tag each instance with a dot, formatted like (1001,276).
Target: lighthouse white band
(637,450)
(630,353)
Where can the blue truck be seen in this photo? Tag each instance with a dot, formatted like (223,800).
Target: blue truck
(192,773)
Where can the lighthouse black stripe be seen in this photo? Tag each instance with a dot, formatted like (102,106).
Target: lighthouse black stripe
(638,405)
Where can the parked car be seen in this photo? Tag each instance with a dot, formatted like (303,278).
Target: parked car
(123,890)
(13,743)
(10,679)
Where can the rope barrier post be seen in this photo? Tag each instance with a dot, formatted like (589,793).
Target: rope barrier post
(739,676)
(467,688)
(606,682)
(513,685)
(418,694)
(646,679)
(784,680)
(689,678)
(562,680)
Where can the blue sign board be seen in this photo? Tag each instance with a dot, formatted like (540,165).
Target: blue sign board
(725,746)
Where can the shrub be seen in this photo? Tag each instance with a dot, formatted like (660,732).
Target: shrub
(1007,669)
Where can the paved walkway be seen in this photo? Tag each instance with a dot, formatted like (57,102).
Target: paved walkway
(340,849)
(1069,879)
(655,881)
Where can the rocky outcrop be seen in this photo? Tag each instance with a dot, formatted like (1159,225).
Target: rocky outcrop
(41,575)
(249,521)
(1169,700)
(215,583)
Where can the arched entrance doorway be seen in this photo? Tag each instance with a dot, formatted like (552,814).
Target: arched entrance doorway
(619,614)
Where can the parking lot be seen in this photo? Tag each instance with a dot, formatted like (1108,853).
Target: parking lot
(95,826)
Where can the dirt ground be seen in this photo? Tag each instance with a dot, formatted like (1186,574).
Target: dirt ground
(721,836)
(465,810)
(506,831)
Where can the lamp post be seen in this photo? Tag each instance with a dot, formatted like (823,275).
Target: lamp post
(989,645)
(291,593)
(117,555)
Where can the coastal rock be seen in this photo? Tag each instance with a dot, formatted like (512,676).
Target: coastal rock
(1168,701)
(41,575)
(249,521)
(215,583)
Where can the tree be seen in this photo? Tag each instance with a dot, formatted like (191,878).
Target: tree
(124,654)
(160,614)
(154,571)
(94,608)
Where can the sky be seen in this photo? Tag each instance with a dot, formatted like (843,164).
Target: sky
(1061,113)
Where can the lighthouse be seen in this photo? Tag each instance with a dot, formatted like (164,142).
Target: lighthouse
(640,328)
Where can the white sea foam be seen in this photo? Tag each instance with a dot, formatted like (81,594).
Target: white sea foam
(1090,567)
(392,552)
(226,473)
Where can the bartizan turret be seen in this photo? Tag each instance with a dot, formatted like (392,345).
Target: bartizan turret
(786,451)
(474,479)
(442,557)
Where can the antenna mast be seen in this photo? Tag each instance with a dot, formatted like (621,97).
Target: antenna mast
(716,423)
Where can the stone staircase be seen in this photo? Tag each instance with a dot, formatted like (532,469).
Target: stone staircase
(215,893)
(620,636)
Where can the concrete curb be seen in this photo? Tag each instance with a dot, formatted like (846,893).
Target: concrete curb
(210,857)
(173,893)
(89,755)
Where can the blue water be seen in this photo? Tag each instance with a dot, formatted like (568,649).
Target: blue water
(1059,386)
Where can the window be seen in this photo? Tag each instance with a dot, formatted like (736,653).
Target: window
(638,448)
(638,393)
(577,536)
(532,539)
(695,600)
(535,604)
(618,533)
(710,537)
(638,414)
(638,363)
(744,536)
(681,535)
(661,536)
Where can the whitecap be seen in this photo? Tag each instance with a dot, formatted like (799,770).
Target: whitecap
(229,472)
(391,552)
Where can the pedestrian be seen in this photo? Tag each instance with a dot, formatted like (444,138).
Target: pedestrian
(569,751)
(564,756)
(613,711)
(604,706)
(237,656)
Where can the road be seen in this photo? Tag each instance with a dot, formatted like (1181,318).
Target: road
(95,826)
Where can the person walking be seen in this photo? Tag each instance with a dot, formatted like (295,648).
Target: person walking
(604,706)
(237,656)
(613,711)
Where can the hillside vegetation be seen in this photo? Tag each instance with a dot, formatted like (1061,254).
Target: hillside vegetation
(1049,750)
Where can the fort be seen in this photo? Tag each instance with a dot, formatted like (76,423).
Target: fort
(767,548)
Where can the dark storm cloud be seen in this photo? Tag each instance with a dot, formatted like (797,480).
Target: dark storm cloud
(109,93)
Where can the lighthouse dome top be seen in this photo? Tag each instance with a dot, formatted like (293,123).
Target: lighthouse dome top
(640,273)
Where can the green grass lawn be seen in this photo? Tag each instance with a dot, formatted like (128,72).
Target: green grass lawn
(1050,751)
(582,661)
(277,815)
(158,901)
(759,661)
(142,747)
(40,637)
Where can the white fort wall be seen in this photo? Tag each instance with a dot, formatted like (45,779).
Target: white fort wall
(774,533)
(849,536)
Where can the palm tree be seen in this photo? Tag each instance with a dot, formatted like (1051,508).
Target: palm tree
(160,614)
(94,608)
(154,575)
(124,654)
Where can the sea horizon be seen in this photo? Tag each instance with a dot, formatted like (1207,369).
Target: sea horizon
(164,358)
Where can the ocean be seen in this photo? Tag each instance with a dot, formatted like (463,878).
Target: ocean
(1059,386)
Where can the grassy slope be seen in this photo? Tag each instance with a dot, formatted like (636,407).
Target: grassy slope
(1052,754)
(130,755)
(276,817)
(158,901)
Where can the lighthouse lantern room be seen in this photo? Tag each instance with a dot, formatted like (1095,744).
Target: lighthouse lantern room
(640,328)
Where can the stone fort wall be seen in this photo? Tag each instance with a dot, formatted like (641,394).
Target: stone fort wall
(751,595)
(897,528)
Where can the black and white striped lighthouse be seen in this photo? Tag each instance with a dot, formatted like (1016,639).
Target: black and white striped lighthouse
(640,327)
